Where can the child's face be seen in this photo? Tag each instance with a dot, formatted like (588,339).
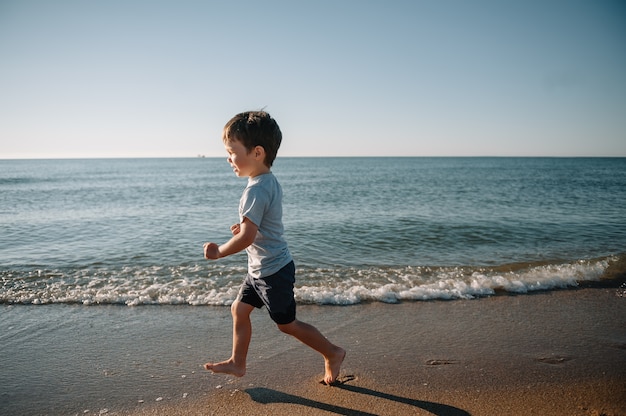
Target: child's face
(244,163)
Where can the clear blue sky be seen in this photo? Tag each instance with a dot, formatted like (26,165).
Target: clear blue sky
(124,78)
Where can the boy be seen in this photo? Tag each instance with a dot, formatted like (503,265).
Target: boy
(252,140)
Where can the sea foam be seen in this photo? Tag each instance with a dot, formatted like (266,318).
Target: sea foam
(191,285)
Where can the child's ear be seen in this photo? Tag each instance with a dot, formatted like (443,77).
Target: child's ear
(259,151)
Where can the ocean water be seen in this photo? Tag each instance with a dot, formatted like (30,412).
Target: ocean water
(130,231)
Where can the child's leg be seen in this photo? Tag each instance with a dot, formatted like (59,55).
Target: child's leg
(242,332)
(309,335)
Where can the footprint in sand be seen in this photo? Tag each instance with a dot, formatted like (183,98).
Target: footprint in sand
(554,359)
(618,345)
(441,362)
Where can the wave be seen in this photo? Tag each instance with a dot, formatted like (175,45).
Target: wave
(449,283)
(218,285)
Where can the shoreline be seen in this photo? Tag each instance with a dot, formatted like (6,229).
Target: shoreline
(558,353)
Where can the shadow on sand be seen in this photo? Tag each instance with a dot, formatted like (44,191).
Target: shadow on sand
(266,396)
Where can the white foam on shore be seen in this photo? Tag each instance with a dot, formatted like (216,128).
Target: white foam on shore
(190,285)
(456,283)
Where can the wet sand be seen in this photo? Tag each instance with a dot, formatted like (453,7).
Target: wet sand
(551,353)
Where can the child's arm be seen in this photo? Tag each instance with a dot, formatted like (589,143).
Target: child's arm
(243,235)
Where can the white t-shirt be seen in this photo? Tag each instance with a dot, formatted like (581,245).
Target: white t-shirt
(262,203)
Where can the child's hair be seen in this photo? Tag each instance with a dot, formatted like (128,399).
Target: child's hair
(252,129)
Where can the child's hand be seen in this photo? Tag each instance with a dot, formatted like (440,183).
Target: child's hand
(235,229)
(211,251)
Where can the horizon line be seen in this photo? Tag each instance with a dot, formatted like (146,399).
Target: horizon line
(316,157)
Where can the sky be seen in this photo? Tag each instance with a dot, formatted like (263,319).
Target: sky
(154,78)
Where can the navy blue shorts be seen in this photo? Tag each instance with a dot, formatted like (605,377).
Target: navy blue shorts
(275,292)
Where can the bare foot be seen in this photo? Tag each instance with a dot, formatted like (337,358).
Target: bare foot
(333,366)
(226,367)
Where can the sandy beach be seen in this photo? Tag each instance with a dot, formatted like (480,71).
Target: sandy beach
(550,353)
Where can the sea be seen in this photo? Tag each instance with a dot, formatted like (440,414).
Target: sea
(130,231)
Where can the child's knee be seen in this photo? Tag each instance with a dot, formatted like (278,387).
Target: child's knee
(240,309)
(287,328)
(283,328)
(233,307)
(236,309)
